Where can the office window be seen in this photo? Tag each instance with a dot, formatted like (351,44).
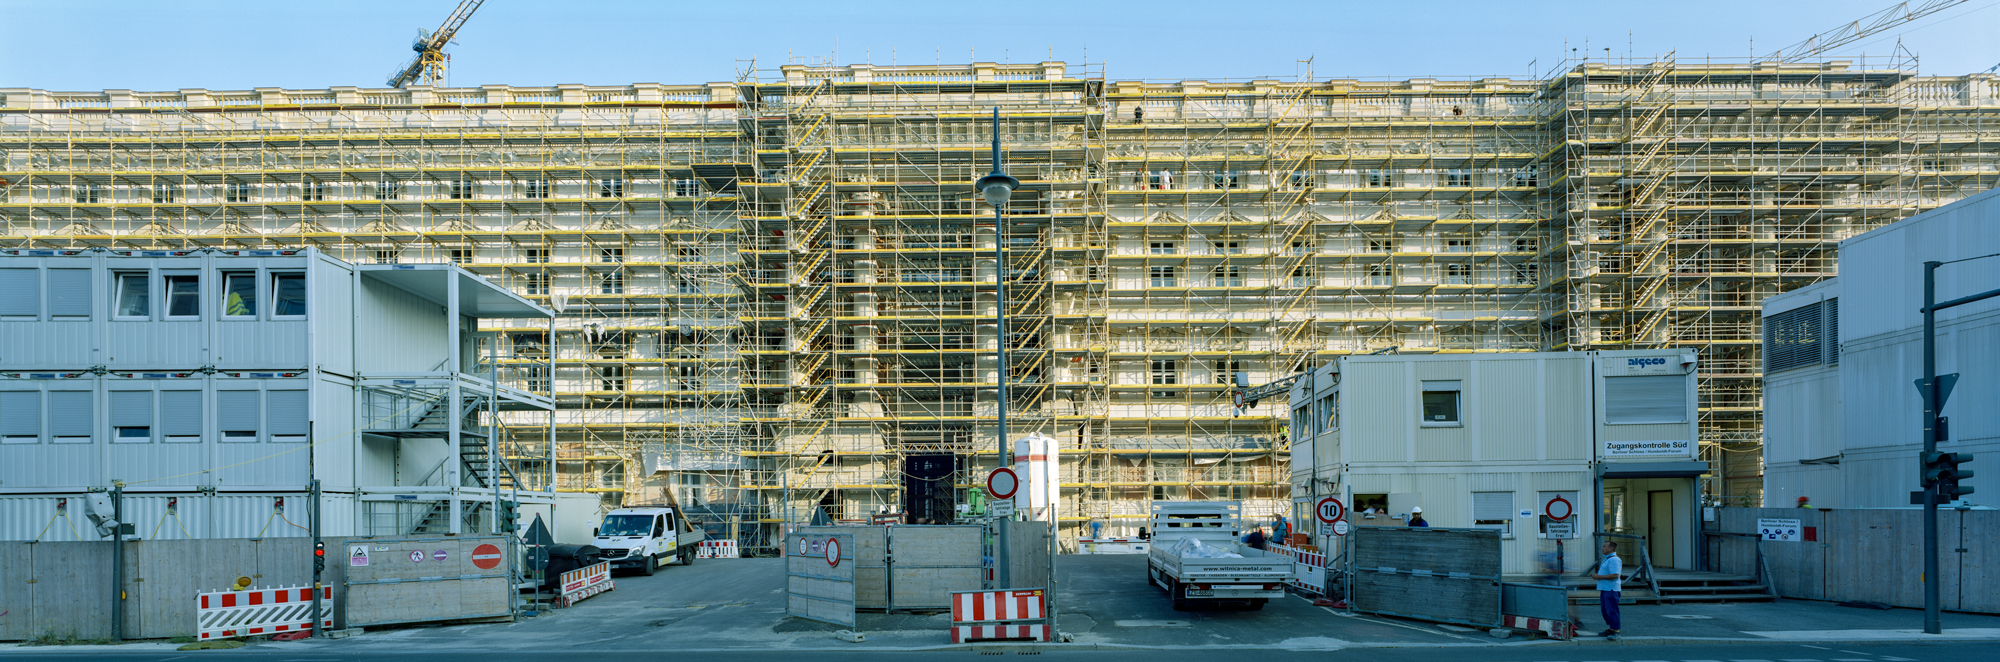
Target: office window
(687,188)
(166,193)
(131,417)
(1379,179)
(1166,371)
(1227,275)
(1225,180)
(1440,402)
(88,193)
(1527,274)
(613,283)
(1460,245)
(388,189)
(288,295)
(1303,180)
(611,187)
(1302,276)
(286,412)
(183,296)
(1163,277)
(1380,275)
(1645,399)
(461,256)
(611,377)
(611,255)
(70,416)
(239,294)
(236,192)
(1457,178)
(180,416)
(531,343)
(135,295)
(1302,247)
(538,379)
(1526,177)
(237,415)
(536,283)
(536,189)
(535,255)
(315,191)
(20,417)
(69,293)
(1493,510)
(1381,246)
(459,189)
(1457,273)
(1226,247)
(20,293)
(1163,248)
(388,255)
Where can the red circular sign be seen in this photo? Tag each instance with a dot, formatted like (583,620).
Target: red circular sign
(486,557)
(1002,483)
(1558,505)
(1330,510)
(833,552)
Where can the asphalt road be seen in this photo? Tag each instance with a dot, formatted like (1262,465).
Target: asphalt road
(1731,652)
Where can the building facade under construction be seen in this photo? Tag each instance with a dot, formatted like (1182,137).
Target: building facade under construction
(776,295)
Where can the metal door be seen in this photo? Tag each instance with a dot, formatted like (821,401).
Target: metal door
(1660,527)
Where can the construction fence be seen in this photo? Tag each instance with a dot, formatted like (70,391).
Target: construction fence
(1864,555)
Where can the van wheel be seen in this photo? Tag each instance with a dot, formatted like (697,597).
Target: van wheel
(650,565)
(687,557)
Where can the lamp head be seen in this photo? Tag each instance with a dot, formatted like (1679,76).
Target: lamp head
(996,187)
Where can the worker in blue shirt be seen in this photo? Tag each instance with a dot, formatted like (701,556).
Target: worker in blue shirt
(1608,579)
(1417,517)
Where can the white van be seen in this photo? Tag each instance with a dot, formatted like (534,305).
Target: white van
(646,537)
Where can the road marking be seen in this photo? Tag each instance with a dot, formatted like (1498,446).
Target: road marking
(1749,661)
(1856,653)
(1151,624)
(1799,659)
(1898,659)
(1816,647)
(1400,625)
(1853,659)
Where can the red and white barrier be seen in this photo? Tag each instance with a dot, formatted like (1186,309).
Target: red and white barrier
(260,611)
(585,582)
(717,549)
(1553,628)
(1112,546)
(978,615)
(1308,569)
(965,633)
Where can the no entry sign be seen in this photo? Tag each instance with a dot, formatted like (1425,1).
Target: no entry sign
(1558,508)
(1330,510)
(1002,483)
(486,557)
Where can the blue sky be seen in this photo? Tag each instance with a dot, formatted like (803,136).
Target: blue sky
(162,45)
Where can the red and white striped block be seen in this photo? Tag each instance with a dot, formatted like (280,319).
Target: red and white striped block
(260,611)
(717,549)
(964,633)
(1308,569)
(990,606)
(1554,628)
(585,582)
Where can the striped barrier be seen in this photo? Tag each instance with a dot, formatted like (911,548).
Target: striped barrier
(1308,569)
(986,615)
(1555,629)
(1113,546)
(717,549)
(585,582)
(260,611)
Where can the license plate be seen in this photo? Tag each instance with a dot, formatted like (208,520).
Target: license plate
(1201,591)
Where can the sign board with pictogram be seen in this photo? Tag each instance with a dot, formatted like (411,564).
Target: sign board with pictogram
(1002,483)
(1781,530)
(445,579)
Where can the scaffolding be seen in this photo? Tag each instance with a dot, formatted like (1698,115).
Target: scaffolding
(776,295)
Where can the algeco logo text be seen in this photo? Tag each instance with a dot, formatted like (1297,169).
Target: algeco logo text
(1640,363)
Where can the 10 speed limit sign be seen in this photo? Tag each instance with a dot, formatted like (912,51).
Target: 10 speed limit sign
(1330,510)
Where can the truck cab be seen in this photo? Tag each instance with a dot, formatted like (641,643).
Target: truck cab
(644,538)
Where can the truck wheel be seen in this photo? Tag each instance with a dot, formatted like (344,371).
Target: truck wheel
(650,565)
(687,557)
(1181,601)
(1258,603)
(1149,576)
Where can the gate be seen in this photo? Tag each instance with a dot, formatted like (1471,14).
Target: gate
(1432,574)
(912,567)
(420,580)
(819,577)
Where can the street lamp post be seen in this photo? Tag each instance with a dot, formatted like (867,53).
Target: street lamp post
(996,186)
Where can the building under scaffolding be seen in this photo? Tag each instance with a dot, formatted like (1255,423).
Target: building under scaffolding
(776,294)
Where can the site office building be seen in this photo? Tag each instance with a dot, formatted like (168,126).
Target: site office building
(1484,440)
(219,382)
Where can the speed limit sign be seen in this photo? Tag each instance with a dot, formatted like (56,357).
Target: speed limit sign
(1330,510)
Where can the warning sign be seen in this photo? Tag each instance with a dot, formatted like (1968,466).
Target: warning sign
(416,556)
(440,555)
(1782,530)
(357,556)
(485,557)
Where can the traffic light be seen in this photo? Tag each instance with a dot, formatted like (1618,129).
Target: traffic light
(319,557)
(1942,471)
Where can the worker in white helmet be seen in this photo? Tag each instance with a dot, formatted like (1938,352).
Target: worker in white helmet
(1417,517)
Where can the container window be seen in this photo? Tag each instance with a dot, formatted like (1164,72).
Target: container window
(288,294)
(1493,510)
(180,416)
(286,411)
(20,417)
(69,293)
(239,294)
(1441,403)
(1645,399)
(70,415)
(183,296)
(131,416)
(237,414)
(135,295)
(20,293)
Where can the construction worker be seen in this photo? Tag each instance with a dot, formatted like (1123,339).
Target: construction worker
(1806,503)
(1417,517)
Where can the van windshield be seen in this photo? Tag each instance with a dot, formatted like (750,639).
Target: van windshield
(626,525)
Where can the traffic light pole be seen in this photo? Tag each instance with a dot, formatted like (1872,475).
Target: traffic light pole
(1934,396)
(319,559)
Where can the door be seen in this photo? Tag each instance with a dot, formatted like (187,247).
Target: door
(1660,527)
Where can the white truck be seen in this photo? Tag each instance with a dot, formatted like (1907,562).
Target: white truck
(1197,555)
(644,538)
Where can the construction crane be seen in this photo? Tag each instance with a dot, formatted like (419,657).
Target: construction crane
(1863,28)
(431,61)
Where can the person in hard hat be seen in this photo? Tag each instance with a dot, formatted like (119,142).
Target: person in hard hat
(1256,538)
(1807,503)
(1417,517)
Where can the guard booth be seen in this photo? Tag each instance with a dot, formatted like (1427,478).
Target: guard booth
(1647,468)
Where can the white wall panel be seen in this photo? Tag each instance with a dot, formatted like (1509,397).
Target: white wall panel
(47,344)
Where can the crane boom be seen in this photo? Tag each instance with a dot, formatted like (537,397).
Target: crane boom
(430,61)
(1862,28)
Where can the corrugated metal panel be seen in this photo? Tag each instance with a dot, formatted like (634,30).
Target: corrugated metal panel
(260,464)
(1569,408)
(159,465)
(1444,444)
(275,344)
(26,517)
(47,345)
(136,345)
(28,466)
(195,516)
(407,333)
(1376,420)
(1882,281)
(1505,396)
(333,313)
